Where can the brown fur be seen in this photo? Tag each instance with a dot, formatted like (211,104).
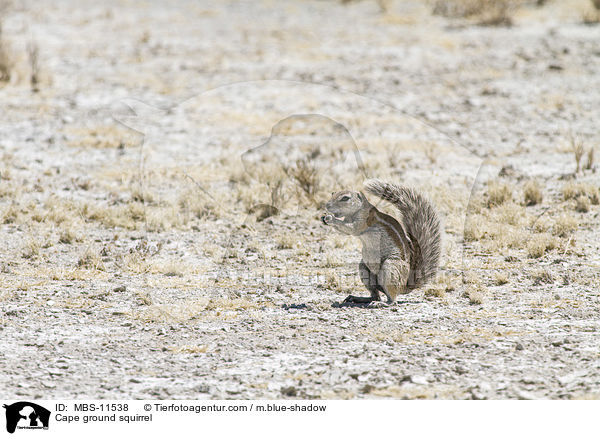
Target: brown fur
(397,255)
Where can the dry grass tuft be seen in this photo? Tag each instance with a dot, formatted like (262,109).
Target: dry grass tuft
(573,190)
(333,283)
(31,249)
(474,230)
(333,261)
(475,294)
(577,150)
(589,164)
(487,12)
(191,203)
(68,236)
(508,213)
(196,309)
(59,210)
(33,56)
(532,193)
(286,241)
(435,291)
(6,61)
(582,204)
(539,244)
(443,283)
(129,216)
(171,268)
(542,276)
(306,175)
(10,214)
(431,151)
(541,224)
(564,225)
(190,349)
(91,260)
(498,193)
(500,278)
(101,136)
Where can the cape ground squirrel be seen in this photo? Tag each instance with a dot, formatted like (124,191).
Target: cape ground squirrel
(396,256)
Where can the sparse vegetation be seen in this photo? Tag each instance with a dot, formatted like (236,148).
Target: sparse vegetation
(435,291)
(579,151)
(500,278)
(582,204)
(305,173)
(6,63)
(592,16)
(68,236)
(539,244)
(573,190)
(31,249)
(132,266)
(564,225)
(475,294)
(33,55)
(589,164)
(430,151)
(91,259)
(498,193)
(194,205)
(533,193)
(542,276)
(486,12)
(285,241)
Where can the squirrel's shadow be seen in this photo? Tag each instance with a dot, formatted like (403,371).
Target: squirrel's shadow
(339,305)
(342,304)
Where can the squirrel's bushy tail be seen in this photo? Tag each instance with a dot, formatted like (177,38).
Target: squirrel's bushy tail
(420,220)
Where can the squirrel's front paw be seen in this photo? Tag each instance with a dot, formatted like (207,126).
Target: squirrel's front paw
(327,218)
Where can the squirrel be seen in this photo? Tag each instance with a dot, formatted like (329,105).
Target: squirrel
(396,256)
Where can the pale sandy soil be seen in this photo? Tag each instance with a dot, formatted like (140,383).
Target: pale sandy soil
(132,261)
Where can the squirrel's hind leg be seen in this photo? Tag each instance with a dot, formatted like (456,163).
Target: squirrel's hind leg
(370,281)
(392,277)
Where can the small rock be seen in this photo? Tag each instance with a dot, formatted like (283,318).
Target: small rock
(203,388)
(476,395)
(519,346)
(290,391)
(460,370)
(569,378)
(507,171)
(485,386)
(418,379)
(522,395)
(366,389)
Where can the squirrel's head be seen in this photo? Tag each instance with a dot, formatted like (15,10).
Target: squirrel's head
(346,203)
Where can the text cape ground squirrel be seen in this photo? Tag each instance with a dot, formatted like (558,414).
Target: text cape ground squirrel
(396,256)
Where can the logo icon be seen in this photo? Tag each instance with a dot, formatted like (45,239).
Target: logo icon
(26,415)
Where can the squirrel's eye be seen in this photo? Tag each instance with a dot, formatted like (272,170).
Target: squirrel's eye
(345,198)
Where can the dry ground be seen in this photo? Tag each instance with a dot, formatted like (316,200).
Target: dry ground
(146,148)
